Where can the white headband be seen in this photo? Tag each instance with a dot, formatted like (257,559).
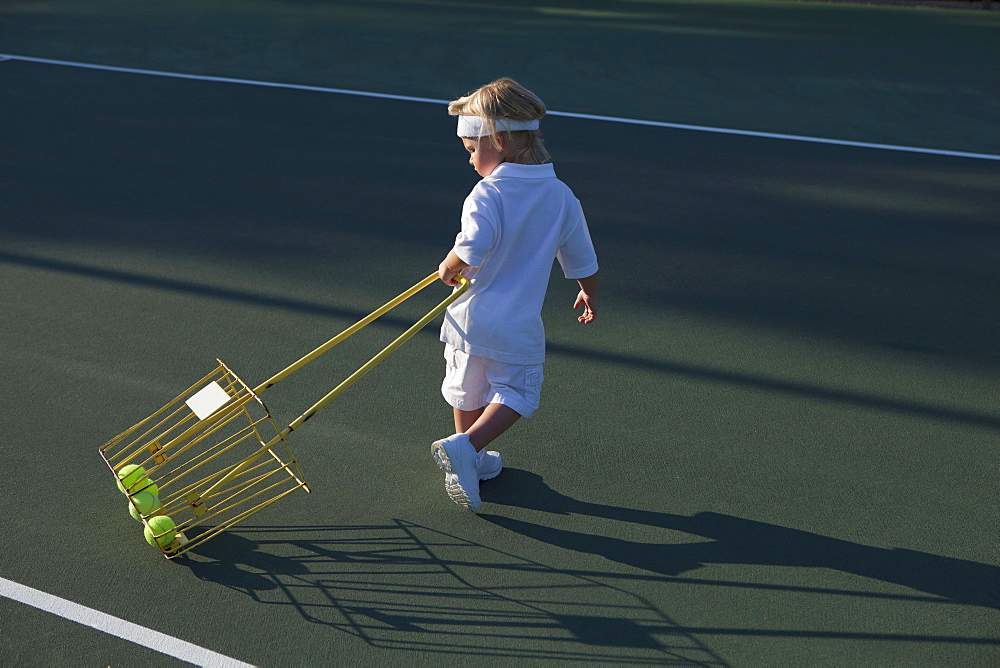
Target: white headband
(474,126)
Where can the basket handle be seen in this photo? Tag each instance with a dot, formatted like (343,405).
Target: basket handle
(353,329)
(350,380)
(385,352)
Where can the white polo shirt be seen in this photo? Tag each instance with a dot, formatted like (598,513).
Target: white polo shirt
(514,223)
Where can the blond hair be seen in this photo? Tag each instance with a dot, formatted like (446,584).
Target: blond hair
(507,99)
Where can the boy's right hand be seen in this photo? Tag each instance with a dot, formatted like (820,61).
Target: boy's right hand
(587,298)
(589,304)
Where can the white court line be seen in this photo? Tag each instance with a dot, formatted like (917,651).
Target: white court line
(202,77)
(566,114)
(96,619)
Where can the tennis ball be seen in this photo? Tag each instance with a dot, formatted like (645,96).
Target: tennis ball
(134,478)
(147,502)
(160,530)
(129,476)
(146,485)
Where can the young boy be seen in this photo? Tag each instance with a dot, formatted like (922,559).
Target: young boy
(516,220)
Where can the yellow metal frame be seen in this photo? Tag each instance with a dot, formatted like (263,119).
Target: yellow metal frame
(218,470)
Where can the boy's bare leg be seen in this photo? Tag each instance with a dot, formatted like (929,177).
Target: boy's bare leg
(494,420)
(465,419)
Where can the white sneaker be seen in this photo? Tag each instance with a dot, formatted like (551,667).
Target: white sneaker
(490,464)
(459,461)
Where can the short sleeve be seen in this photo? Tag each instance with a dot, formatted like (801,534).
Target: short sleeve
(576,254)
(480,224)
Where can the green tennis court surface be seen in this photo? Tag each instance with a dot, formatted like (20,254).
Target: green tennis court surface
(777,445)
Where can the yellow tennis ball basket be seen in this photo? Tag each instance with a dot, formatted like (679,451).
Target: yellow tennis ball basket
(214,453)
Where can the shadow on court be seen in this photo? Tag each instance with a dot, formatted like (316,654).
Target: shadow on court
(872,248)
(735,540)
(407,586)
(735,378)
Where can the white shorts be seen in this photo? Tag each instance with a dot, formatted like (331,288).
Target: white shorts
(471,382)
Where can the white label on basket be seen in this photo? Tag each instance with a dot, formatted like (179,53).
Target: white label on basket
(208,400)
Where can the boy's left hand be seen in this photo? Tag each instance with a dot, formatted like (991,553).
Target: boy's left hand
(450,268)
(447,275)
